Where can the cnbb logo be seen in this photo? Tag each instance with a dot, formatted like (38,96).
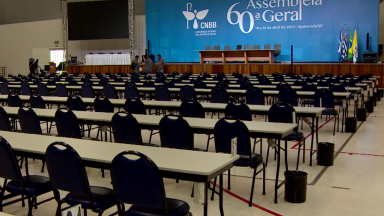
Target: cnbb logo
(195,15)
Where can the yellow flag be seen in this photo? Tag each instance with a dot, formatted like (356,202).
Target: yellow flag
(355,47)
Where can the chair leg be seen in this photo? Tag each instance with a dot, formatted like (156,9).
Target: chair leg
(102,173)
(304,151)
(42,168)
(266,161)
(30,206)
(253,186)
(334,126)
(298,157)
(209,138)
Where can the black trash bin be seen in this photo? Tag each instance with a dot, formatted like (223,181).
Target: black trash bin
(373,100)
(295,186)
(325,152)
(377,95)
(362,114)
(351,125)
(369,106)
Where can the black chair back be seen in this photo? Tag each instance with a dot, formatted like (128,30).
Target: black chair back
(191,108)
(29,122)
(5,124)
(4,89)
(282,113)
(254,96)
(87,91)
(25,89)
(103,105)
(14,101)
(135,106)
(36,101)
(67,124)
(110,91)
(147,182)
(175,132)
(42,90)
(126,129)
(75,103)
(187,92)
(288,95)
(219,95)
(162,93)
(9,168)
(61,91)
(131,91)
(240,111)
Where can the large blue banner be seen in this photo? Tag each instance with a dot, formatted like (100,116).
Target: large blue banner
(177,28)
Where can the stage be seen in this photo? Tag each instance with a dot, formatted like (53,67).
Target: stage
(357,69)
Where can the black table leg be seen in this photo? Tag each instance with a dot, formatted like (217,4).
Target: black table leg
(312,139)
(221,196)
(277,170)
(206,198)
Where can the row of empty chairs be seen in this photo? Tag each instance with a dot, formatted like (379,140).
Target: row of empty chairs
(277,47)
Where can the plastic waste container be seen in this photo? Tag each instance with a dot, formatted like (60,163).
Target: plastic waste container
(295,186)
(351,125)
(325,152)
(361,114)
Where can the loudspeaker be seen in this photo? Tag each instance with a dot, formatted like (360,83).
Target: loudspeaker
(368,48)
(369,57)
(380,49)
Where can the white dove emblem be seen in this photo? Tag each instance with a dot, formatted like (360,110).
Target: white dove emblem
(189,15)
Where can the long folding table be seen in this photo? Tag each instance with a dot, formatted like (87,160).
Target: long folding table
(185,165)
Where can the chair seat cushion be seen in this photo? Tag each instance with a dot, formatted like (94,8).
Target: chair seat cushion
(34,185)
(102,197)
(244,160)
(295,136)
(329,112)
(175,208)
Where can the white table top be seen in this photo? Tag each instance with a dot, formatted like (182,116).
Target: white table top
(282,129)
(174,160)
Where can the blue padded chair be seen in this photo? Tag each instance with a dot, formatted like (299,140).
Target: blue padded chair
(240,111)
(162,93)
(328,75)
(169,84)
(126,129)
(349,75)
(30,186)
(72,82)
(103,82)
(187,92)
(29,122)
(219,95)
(300,82)
(288,95)
(200,85)
(222,84)
(246,85)
(61,91)
(227,129)
(265,81)
(254,96)
(148,77)
(42,90)
(145,191)
(67,173)
(110,91)
(4,89)
(311,88)
(75,103)
(324,98)
(135,106)
(87,91)
(323,83)
(191,108)
(5,124)
(282,85)
(67,124)
(176,133)
(103,105)
(49,83)
(131,91)
(177,80)
(25,89)
(89,82)
(14,101)
(285,113)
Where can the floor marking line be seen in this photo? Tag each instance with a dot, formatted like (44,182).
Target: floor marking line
(246,201)
(310,134)
(336,154)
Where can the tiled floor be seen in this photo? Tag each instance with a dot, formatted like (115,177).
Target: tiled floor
(353,186)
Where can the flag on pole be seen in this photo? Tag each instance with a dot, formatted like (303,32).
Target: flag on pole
(340,44)
(355,47)
(350,47)
(344,50)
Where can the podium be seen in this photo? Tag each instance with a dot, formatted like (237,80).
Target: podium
(52,67)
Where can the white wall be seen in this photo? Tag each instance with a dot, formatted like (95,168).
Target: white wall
(18,40)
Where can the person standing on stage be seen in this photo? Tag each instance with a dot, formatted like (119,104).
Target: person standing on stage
(148,65)
(31,66)
(36,66)
(160,64)
(136,66)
